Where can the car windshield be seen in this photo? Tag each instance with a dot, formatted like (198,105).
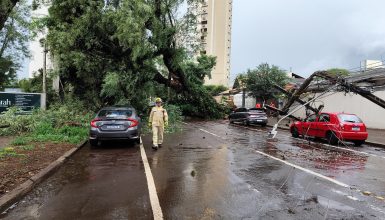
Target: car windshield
(115,113)
(349,118)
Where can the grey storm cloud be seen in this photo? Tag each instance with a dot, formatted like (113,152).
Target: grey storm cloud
(306,36)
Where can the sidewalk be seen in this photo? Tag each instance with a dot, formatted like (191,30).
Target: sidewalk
(376,136)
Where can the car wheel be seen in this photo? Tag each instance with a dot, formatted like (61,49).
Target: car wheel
(294,133)
(263,125)
(358,143)
(231,121)
(93,142)
(331,138)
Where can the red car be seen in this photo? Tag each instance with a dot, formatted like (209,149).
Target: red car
(333,127)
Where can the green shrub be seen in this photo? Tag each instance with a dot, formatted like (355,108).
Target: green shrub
(68,122)
(19,141)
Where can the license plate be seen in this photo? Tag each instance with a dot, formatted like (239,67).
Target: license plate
(113,127)
(355,128)
(259,120)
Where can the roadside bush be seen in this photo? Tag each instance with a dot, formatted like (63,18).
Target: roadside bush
(66,122)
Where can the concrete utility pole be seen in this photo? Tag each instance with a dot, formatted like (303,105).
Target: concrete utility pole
(45,67)
(44,95)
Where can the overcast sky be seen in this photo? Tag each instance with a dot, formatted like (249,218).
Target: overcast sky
(306,35)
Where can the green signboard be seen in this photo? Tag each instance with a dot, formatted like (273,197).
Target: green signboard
(25,101)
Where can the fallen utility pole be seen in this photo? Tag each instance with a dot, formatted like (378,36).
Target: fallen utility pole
(350,87)
(300,101)
(337,81)
(295,96)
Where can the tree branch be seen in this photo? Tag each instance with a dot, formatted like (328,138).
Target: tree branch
(6,8)
(6,38)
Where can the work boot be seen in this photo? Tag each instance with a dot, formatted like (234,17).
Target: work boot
(159,145)
(155,147)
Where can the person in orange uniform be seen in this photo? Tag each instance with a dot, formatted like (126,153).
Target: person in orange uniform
(158,120)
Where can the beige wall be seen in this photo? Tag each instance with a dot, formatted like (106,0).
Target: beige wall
(217,40)
(372,114)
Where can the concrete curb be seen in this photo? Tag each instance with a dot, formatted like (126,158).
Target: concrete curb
(16,194)
(375,144)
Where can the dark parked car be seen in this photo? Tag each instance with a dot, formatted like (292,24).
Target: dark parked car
(248,116)
(115,123)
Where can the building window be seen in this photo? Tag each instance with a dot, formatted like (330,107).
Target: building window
(204,22)
(204,29)
(203,52)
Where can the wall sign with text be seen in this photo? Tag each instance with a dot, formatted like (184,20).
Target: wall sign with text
(25,101)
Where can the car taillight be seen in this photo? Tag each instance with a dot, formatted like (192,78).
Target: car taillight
(134,123)
(94,123)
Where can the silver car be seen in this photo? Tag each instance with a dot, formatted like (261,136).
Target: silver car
(115,123)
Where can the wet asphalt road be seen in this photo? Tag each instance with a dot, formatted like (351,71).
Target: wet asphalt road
(213,170)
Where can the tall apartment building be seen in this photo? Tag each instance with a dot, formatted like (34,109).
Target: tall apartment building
(214,26)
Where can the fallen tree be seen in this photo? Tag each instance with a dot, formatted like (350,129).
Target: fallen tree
(118,51)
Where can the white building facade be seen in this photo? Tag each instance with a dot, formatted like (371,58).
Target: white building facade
(36,47)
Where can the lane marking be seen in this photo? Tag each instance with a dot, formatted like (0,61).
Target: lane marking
(208,132)
(154,200)
(303,169)
(293,165)
(306,170)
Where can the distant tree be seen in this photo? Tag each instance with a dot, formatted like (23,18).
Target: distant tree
(239,81)
(261,80)
(339,72)
(35,84)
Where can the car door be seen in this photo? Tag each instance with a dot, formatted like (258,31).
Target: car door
(322,125)
(309,127)
(241,114)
